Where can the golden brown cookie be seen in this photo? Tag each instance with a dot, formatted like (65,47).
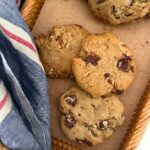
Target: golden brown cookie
(105,65)
(58,46)
(89,120)
(119,11)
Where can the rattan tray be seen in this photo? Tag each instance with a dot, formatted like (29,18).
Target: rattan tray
(141,117)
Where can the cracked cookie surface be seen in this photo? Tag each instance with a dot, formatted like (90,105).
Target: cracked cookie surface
(89,120)
(120,11)
(105,65)
(58,46)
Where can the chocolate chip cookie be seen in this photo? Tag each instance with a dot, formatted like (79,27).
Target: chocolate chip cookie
(89,120)
(58,46)
(120,11)
(105,65)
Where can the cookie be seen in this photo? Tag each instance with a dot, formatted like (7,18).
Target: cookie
(89,120)
(120,11)
(105,64)
(58,46)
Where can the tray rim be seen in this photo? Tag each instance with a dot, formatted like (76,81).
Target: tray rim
(30,11)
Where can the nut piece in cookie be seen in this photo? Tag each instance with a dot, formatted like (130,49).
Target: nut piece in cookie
(104,65)
(58,46)
(91,120)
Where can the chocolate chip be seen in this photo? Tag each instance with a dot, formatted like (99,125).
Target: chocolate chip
(103,124)
(106,75)
(71,100)
(93,59)
(119,91)
(85,141)
(100,1)
(123,63)
(70,121)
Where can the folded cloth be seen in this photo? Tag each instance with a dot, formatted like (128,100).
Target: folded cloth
(19,3)
(24,108)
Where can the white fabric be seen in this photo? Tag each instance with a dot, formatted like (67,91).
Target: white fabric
(145,142)
(8,105)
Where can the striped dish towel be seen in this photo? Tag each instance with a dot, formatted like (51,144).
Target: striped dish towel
(24,108)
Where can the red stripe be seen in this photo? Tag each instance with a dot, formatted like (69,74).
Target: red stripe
(18,39)
(17,1)
(3,101)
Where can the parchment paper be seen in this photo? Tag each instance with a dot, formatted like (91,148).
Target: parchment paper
(136,35)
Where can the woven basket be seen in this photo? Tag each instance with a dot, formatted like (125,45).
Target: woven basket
(30,12)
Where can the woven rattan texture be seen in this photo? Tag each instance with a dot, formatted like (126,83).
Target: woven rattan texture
(60,145)
(31,10)
(138,123)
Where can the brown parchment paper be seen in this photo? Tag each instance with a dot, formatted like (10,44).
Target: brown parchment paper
(136,35)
